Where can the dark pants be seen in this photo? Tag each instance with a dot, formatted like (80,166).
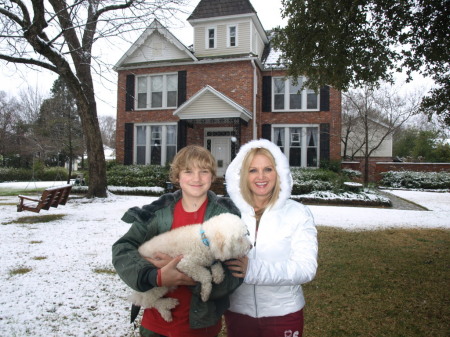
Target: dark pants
(290,325)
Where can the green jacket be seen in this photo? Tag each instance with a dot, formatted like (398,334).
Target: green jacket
(140,275)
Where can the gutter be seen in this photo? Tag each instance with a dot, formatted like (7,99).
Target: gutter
(255,91)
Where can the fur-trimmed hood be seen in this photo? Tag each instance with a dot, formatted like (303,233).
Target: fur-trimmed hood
(233,174)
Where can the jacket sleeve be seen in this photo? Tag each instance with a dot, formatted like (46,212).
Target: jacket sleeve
(299,266)
(136,272)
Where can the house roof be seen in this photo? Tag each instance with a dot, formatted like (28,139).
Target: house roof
(213,8)
(197,107)
(155,27)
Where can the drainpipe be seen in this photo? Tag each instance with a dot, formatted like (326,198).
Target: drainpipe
(255,90)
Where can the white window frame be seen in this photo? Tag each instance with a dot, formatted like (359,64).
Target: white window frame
(304,145)
(214,28)
(229,35)
(163,135)
(304,95)
(148,105)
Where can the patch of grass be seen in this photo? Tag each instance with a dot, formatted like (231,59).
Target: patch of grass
(107,271)
(380,283)
(19,271)
(38,258)
(8,192)
(35,242)
(36,219)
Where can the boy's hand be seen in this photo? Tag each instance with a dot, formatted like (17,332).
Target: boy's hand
(159,260)
(171,276)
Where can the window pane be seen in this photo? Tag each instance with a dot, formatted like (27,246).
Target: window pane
(140,135)
(155,145)
(311,99)
(142,101)
(172,82)
(232,36)
(171,151)
(295,155)
(171,135)
(312,144)
(311,157)
(172,98)
(156,99)
(211,37)
(279,137)
(278,85)
(157,83)
(279,102)
(142,84)
(140,155)
(295,102)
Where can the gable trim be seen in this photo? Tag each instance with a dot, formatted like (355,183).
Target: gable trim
(237,110)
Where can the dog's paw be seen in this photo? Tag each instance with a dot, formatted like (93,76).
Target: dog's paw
(217,273)
(206,291)
(164,307)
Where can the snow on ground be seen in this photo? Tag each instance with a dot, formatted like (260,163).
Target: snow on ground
(63,295)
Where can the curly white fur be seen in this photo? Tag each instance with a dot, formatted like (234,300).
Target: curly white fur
(227,238)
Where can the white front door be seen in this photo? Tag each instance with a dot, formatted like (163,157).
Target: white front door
(221,150)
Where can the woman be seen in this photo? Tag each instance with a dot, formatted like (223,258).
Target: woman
(193,169)
(270,301)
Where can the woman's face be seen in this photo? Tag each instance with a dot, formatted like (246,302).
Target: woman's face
(262,177)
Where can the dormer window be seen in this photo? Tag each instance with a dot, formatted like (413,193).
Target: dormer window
(232,36)
(211,37)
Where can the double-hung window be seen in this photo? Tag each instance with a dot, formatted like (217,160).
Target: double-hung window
(157,91)
(299,143)
(290,96)
(155,144)
(211,37)
(232,36)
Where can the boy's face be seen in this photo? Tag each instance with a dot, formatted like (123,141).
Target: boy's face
(195,182)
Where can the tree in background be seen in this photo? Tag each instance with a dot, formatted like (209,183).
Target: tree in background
(370,117)
(352,43)
(412,144)
(58,128)
(59,36)
(108,130)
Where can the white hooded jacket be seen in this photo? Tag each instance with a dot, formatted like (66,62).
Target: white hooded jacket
(285,254)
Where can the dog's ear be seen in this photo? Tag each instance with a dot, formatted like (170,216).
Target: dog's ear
(219,240)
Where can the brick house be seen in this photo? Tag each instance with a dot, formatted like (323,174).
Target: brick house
(220,93)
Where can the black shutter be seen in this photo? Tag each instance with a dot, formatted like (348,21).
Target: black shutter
(266,131)
(128,144)
(324,141)
(267,94)
(129,93)
(181,87)
(182,134)
(325,98)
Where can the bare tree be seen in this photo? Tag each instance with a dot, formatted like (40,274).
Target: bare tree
(108,130)
(59,36)
(370,116)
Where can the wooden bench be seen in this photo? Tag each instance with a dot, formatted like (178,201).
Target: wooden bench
(51,197)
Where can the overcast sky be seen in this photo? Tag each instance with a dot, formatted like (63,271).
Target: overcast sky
(13,79)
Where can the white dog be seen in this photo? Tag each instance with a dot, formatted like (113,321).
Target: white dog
(222,237)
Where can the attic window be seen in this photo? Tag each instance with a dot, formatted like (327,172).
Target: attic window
(211,38)
(232,36)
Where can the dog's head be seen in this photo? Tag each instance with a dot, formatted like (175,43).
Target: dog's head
(228,236)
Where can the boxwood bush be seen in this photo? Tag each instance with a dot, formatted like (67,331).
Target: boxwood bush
(308,180)
(416,180)
(137,175)
(41,174)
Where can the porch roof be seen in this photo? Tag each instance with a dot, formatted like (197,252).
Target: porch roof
(210,103)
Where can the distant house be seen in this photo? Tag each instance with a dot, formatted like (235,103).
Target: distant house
(221,93)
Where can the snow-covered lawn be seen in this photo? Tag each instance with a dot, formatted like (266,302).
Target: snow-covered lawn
(68,290)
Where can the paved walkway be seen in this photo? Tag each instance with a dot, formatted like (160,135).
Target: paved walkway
(400,203)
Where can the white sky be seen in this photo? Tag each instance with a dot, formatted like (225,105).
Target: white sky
(63,296)
(12,80)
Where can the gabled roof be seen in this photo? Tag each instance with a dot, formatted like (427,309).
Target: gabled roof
(213,8)
(224,107)
(155,27)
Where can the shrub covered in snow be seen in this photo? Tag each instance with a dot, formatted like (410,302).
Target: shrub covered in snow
(308,180)
(137,175)
(416,180)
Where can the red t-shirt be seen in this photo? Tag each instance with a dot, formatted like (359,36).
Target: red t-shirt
(179,327)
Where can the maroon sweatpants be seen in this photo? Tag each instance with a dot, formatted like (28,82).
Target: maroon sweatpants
(239,325)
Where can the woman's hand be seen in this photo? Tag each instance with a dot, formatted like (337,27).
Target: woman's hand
(238,267)
(159,260)
(171,276)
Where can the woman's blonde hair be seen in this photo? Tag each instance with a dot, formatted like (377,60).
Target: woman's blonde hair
(189,157)
(244,184)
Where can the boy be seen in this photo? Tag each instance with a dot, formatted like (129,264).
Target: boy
(193,170)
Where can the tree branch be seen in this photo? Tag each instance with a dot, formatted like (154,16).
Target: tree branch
(29,61)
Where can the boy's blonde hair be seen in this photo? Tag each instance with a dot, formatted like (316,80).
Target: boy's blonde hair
(244,184)
(189,157)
